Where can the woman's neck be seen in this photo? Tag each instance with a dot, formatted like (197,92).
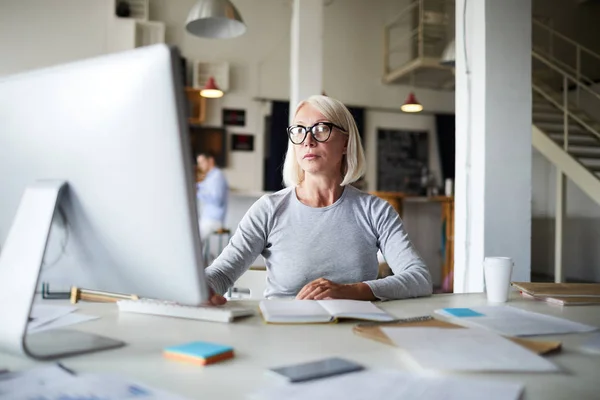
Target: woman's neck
(321,192)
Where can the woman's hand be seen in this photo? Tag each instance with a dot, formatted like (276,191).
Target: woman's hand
(322,288)
(215,299)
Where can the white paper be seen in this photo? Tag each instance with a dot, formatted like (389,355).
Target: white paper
(355,309)
(95,386)
(465,350)
(65,320)
(293,310)
(33,379)
(393,385)
(592,344)
(516,322)
(43,313)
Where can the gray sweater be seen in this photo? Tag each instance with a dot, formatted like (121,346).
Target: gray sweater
(338,242)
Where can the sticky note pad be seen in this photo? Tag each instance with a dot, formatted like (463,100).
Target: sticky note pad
(202,353)
(462,312)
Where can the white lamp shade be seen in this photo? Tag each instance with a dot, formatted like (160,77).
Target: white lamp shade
(215,19)
(449,54)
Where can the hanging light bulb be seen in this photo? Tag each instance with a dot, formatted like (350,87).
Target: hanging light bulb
(411,105)
(211,90)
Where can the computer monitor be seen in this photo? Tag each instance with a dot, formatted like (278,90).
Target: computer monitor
(114,129)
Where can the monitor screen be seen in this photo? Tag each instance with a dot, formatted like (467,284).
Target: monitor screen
(114,128)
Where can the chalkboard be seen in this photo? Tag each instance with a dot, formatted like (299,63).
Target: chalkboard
(401,157)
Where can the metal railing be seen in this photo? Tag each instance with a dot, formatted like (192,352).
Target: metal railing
(415,33)
(569,55)
(563,102)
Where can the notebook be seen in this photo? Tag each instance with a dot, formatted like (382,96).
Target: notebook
(564,294)
(320,311)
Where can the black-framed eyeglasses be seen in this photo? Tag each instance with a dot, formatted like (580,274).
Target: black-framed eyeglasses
(321,131)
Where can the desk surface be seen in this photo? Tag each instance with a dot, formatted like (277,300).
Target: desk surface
(259,346)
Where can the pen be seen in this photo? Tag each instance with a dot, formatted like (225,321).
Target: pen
(78,294)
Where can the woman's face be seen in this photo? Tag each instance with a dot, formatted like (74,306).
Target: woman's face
(319,158)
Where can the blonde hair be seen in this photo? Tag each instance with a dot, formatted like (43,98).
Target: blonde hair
(353,164)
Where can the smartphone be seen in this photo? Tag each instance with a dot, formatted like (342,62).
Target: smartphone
(317,369)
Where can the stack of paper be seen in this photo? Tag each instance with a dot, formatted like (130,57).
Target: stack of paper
(565,294)
(465,350)
(513,321)
(393,385)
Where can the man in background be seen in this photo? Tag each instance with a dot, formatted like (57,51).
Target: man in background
(212,192)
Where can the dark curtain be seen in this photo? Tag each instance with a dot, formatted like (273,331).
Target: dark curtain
(359,117)
(276,141)
(276,145)
(445,126)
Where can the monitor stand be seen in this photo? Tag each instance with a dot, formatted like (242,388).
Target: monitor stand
(20,264)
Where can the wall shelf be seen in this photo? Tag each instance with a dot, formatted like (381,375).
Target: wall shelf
(197,106)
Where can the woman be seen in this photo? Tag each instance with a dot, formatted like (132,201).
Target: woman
(320,235)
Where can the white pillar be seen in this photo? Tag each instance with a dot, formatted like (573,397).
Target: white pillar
(493,138)
(306,63)
(561,202)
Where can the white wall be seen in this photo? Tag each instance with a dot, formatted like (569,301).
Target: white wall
(39,33)
(260,61)
(581,233)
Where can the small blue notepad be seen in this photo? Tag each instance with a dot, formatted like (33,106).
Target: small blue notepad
(199,349)
(461,312)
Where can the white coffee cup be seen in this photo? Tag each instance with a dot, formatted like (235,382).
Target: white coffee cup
(497,272)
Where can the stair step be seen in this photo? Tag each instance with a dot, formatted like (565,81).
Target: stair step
(547,116)
(575,140)
(592,164)
(585,152)
(551,127)
(544,107)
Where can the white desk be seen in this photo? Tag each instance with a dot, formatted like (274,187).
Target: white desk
(259,346)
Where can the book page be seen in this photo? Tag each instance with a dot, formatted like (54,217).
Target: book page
(465,350)
(355,309)
(293,311)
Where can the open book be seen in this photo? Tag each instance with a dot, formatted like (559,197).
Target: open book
(320,311)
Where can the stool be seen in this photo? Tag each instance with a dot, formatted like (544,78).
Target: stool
(221,234)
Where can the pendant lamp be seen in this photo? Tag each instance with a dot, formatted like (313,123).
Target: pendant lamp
(215,19)
(211,90)
(449,54)
(411,105)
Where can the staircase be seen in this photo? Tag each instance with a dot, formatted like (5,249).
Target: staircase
(562,131)
(565,98)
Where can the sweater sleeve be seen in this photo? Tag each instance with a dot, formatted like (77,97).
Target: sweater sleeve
(411,277)
(248,241)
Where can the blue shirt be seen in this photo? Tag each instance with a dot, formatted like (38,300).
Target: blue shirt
(213,194)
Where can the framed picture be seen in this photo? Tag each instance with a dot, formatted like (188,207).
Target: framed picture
(242,142)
